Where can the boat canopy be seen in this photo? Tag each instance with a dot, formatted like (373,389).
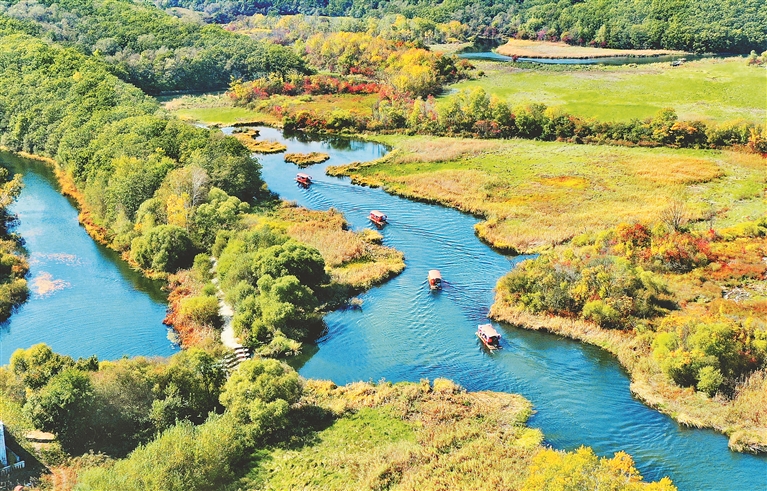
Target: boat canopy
(434,274)
(301,175)
(377,215)
(488,331)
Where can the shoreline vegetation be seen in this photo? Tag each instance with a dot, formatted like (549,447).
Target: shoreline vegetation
(355,262)
(533,195)
(470,177)
(523,48)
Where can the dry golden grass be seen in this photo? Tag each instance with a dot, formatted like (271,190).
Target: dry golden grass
(248,139)
(525,48)
(537,194)
(425,437)
(306,159)
(356,259)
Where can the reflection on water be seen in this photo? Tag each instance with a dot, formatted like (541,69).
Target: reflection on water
(405,332)
(83,300)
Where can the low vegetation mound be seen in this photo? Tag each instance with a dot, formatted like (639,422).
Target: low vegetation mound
(428,436)
(520,48)
(306,159)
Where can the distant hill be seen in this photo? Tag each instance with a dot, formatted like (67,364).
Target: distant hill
(736,26)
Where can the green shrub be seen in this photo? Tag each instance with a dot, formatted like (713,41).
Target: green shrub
(163,248)
(709,380)
(202,310)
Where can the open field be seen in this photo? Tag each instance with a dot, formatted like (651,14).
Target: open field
(715,90)
(525,48)
(535,194)
(421,436)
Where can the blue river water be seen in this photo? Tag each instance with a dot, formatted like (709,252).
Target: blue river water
(612,60)
(84,299)
(405,332)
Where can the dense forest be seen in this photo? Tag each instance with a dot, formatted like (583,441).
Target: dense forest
(696,25)
(150,49)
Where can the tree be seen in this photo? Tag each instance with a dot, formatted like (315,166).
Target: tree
(64,407)
(163,248)
(291,258)
(259,393)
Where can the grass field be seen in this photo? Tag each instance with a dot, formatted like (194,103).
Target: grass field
(534,194)
(709,90)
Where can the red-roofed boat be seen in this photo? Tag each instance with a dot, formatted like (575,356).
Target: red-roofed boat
(378,218)
(303,179)
(435,279)
(489,336)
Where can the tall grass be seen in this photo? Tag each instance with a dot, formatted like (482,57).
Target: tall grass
(356,259)
(535,194)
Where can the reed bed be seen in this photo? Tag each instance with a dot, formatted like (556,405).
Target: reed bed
(537,194)
(306,159)
(356,259)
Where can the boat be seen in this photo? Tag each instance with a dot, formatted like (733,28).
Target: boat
(303,179)
(378,218)
(489,336)
(435,279)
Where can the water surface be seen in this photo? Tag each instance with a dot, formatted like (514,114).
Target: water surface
(406,332)
(612,60)
(83,299)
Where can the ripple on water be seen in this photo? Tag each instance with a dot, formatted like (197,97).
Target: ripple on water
(403,332)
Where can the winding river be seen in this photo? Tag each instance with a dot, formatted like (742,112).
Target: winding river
(86,301)
(405,332)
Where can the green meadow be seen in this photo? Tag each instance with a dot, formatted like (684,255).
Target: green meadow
(715,90)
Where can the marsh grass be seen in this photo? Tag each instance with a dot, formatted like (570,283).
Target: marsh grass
(248,139)
(526,48)
(306,159)
(407,436)
(356,259)
(537,194)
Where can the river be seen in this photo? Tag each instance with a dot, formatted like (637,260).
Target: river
(405,332)
(607,60)
(97,305)
(83,300)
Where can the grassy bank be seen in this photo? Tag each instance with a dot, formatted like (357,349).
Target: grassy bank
(710,319)
(715,90)
(535,194)
(356,260)
(422,436)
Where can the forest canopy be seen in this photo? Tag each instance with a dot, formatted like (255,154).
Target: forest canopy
(735,26)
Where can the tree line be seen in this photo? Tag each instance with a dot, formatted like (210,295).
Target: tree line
(473,113)
(149,48)
(734,26)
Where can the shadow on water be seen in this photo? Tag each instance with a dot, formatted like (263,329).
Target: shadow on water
(84,299)
(403,332)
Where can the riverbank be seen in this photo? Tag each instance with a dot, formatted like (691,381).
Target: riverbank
(648,384)
(430,436)
(533,195)
(524,48)
(355,262)
(706,311)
